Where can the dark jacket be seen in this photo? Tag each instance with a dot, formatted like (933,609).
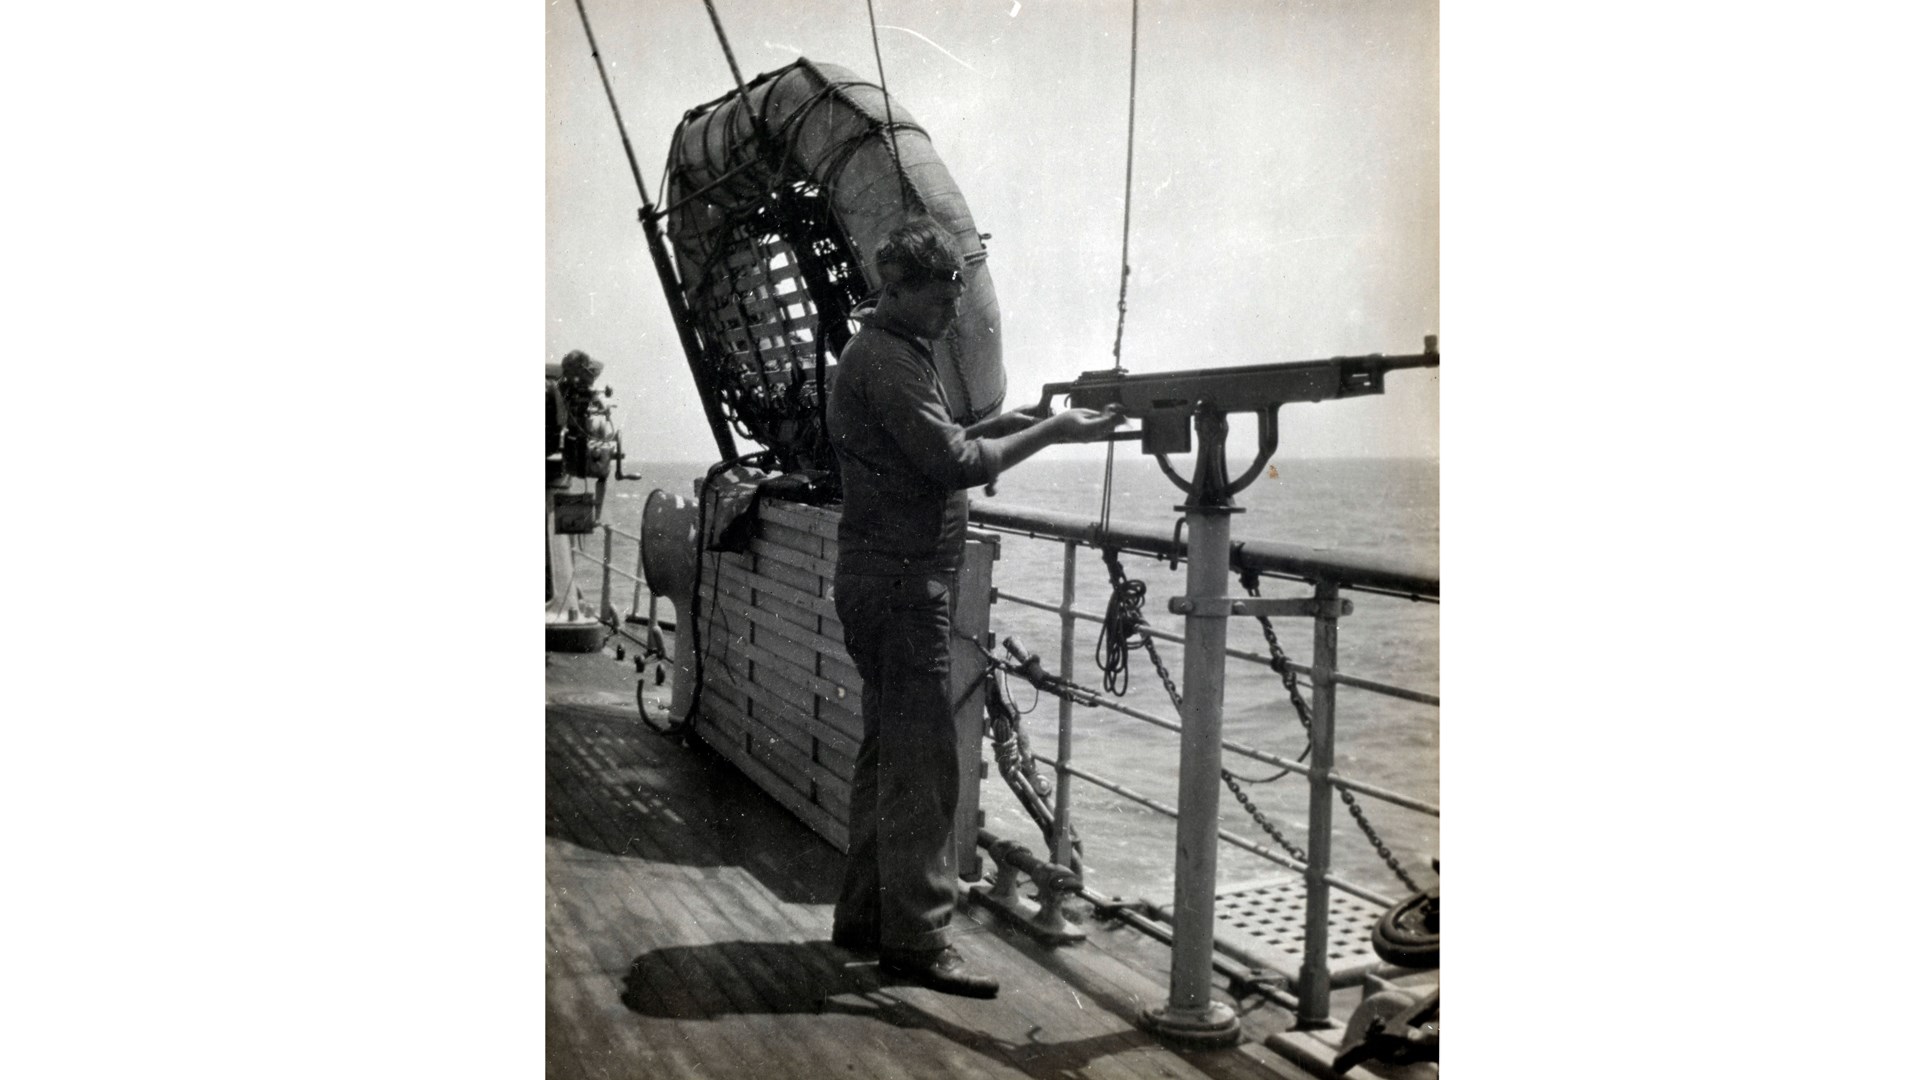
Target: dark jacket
(905,465)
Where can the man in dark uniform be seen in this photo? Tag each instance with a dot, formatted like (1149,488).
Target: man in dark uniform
(905,468)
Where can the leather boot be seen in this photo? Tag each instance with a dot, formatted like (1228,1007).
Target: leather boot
(944,970)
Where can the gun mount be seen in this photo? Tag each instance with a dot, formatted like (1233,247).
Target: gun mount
(1168,404)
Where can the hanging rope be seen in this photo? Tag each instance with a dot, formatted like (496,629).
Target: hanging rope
(1122,623)
(893,135)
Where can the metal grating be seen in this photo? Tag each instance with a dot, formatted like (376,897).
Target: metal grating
(1267,921)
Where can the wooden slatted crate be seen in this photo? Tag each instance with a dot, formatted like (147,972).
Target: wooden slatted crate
(781,698)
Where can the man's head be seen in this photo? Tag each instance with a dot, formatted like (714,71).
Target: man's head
(920,277)
(580,368)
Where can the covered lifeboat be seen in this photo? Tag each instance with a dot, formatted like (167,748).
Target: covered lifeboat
(776,202)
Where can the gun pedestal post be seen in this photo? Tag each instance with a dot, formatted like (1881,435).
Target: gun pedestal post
(1190,1014)
(1165,404)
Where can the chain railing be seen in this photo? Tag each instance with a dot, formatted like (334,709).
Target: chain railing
(1255,561)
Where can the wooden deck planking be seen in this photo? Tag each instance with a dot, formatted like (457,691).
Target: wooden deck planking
(697,950)
(602,1003)
(584,1000)
(628,916)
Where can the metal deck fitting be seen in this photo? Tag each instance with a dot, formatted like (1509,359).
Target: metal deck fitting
(1267,921)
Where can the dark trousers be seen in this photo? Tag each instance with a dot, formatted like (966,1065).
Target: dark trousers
(900,879)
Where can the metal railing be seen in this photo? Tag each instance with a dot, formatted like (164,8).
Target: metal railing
(1329,574)
(608,571)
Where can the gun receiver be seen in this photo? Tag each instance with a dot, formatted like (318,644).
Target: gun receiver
(1165,402)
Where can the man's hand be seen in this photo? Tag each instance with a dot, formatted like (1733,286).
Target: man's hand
(1086,425)
(1074,425)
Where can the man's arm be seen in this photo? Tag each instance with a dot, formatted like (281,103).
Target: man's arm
(1006,423)
(903,392)
(1072,425)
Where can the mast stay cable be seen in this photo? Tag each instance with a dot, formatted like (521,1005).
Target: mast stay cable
(893,135)
(1126,229)
(662,262)
(633,163)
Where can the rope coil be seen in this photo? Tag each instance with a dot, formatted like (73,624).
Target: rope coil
(1121,626)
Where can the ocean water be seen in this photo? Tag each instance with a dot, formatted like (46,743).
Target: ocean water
(1384,507)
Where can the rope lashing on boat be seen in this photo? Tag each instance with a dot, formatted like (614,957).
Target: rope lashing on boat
(772,212)
(752,412)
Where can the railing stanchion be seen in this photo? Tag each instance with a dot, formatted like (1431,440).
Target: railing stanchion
(1314,978)
(606,574)
(1062,779)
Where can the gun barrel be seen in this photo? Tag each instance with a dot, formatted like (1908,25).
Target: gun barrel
(1398,363)
(1248,388)
(1252,388)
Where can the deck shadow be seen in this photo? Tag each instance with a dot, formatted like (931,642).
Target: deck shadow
(616,787)
(707,982)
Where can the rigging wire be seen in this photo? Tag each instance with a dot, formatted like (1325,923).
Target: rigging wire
(1126,213)
(1126,230)
(727,47)
(632,162)
(893,135)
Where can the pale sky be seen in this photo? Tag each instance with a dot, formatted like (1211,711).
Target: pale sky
(1285,189)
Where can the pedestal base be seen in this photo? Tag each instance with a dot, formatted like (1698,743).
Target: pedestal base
(1215,1026)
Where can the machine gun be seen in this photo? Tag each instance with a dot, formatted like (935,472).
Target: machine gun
(1171,407)
(1167,404)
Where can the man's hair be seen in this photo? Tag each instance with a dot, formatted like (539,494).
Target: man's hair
(581,367)
(917,252)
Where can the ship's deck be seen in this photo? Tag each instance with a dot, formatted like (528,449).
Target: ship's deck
(687,925)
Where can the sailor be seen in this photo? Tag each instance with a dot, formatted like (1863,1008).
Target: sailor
(905,466)
(594,449)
